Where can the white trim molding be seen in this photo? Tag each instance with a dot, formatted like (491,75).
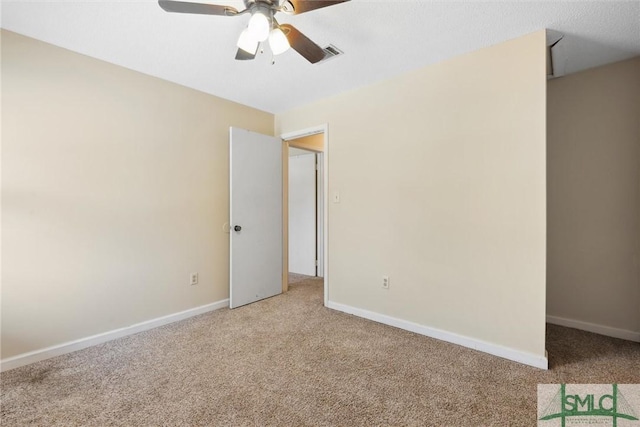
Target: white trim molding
(483,346)
(314,130)
(596,329)
(71,346)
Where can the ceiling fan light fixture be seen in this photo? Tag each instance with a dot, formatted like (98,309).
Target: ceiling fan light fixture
(262,25)
(247,43)
(278,41)
(259,26)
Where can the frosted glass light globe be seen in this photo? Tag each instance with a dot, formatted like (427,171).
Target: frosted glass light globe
(259,26)
(278,41)
(247,43)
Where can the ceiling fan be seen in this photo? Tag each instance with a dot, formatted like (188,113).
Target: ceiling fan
(263,25)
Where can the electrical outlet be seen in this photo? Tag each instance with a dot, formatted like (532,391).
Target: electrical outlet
(385,282)
(194,278)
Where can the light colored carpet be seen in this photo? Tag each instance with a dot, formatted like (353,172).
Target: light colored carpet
(287,361)
(295,278)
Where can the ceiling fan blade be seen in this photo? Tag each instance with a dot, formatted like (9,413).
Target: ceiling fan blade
(303,44)
(302,6)
(243,55)
(197,8)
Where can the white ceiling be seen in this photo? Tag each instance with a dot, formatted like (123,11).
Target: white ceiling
(380,39)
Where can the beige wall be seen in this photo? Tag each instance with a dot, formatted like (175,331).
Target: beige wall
(441,174)
(311,142)
(114,189)
(594,196)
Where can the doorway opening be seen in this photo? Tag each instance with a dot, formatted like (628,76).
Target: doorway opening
(304,254)
(304,211)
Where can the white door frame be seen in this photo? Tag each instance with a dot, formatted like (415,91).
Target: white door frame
(324,129)
(320,225)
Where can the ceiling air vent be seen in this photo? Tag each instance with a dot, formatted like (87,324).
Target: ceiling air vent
(331,52)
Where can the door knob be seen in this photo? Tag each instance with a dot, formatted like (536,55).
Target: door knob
(237,228)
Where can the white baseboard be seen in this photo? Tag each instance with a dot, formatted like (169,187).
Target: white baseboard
(71,346)
(493,349)
(596,329)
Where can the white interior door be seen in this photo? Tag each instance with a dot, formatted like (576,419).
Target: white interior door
(255,178)
(302,213)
